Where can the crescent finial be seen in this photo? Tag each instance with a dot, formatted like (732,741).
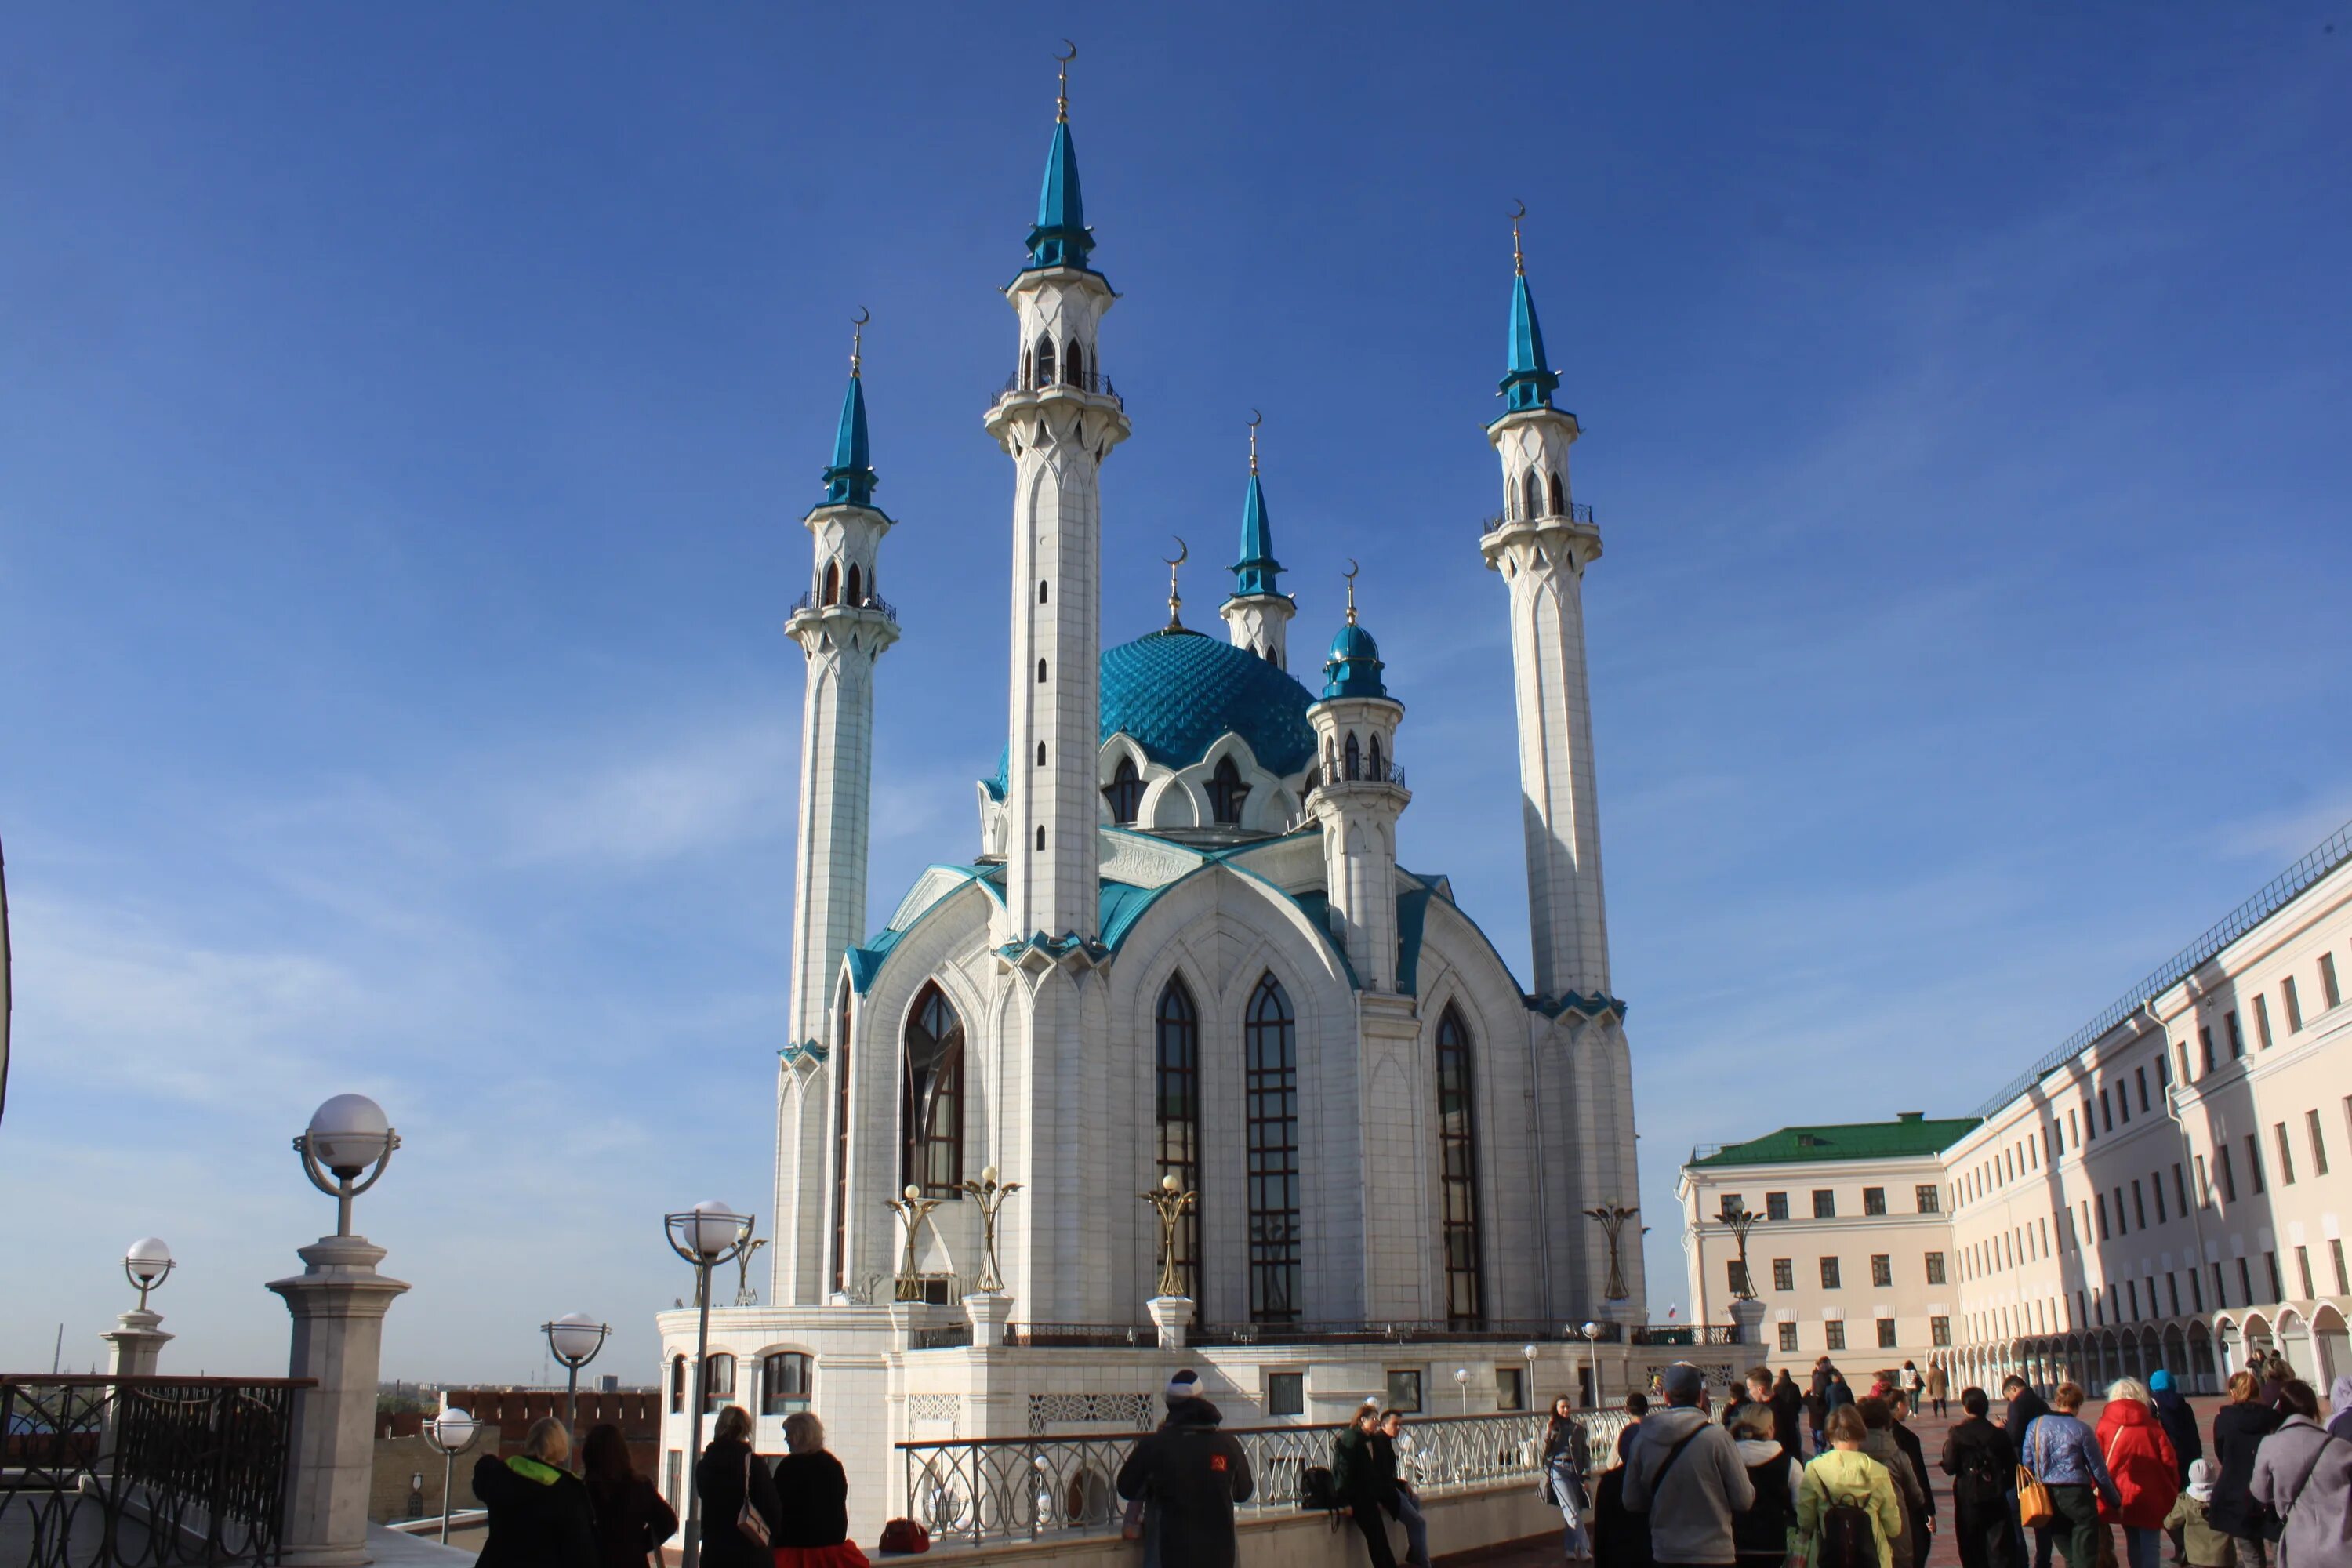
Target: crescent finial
(863,316)
(1184,552)
(1522,208)
(858,337)
(1065,59)
(1351,573)
(1519,261)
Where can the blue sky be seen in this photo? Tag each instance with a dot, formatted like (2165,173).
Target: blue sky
(406,414)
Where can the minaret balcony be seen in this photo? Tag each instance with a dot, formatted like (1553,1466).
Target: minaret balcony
(1087,383)
(872,605)
(1575,512)
(1385,776)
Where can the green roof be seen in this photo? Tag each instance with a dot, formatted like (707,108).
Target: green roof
(1909,1134)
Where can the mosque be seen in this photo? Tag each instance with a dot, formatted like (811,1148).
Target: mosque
(1184,948)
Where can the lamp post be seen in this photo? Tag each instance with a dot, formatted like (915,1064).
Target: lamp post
(146,1263)
(1462,1382)
(137,1335)
(1171,1202)
(1611,1218)
(574,1338)
(346,1136)
(912,1208)
(1528,1399)
(452,1432)
(1741,1219)
(989,1194)
(1593,1359)
(706,1235)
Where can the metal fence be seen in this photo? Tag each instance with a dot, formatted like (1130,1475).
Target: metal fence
(1575,511)
(143,1472)
(1004,1488)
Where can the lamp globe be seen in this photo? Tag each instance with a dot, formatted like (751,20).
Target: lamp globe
(348,1133)
(714,1228)
(575,1336)
(148,1259)
(453,1429)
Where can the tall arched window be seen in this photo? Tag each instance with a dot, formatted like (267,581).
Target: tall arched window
(1028,370)
(855,596)
(1270,1060)
(785,1382)
(1041,836)
(1125,791)
(1376,770)
(931,1101)
(1044,361)
(1558,500)
(718,1383)
(1354,754)
(831,593)
(1041,753)
(1041,593)
(841,1143)
(678,1385)
(1074,364)
(1534,495)
(1227,792)
(1458,1155)
(1176,1109)
(1041,672)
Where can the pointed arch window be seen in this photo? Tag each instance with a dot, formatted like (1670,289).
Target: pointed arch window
(1457,1150)
(855,597)
(1041,672)
(831,593)
(1558,499)
(1041,836)
(1074,364)
(932,1097)
(1177,1111)
(1534,495)
(1354,753)
(1044,361)
(1270,1052)
(1125,791)
(841,1143)
(1377,771)
(1227,792)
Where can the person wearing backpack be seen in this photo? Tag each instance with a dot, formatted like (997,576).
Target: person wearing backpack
(1846,1513)
(1910,1480)
(1686,1474)
(1196,1473)
(1984,1468)
(2303,1473)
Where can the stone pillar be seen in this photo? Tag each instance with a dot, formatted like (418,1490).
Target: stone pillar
(988,1311)
(338,1301)
(1748,1316)
(1172,1315)
(138,1340)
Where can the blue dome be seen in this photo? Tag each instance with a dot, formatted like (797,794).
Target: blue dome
(1354,642)
(1176,691)
(1354,668)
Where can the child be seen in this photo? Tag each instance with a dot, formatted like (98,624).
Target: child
(2206,1546)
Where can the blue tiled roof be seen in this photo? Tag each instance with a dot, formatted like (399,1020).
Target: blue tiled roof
(1176,691)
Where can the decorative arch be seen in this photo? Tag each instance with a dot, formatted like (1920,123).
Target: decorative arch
(1044,360)
(931,1095)
(1074,364)
(1176,1114)
(856,595)
(1270,1067)
(787,1379)
(1124,794)
(1457,1148)
(1376,770)
(1227,792)
(1559,498)
(1353,754)
(831,593)
(839,1067)
(1534,494)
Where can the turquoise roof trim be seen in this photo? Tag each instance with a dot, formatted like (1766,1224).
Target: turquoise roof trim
(1412,913)
(850,479)
(1061,237)
(1257,572)
(865,963)
(1529,384)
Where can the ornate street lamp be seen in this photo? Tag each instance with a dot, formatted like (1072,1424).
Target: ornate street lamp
(1741,1219)
(575,1339)
(912,1208)
(145,1263)
(452,1432)
(1462,1382)
(1593,1359)
(989,1194)
(1170,1202)
(706,1235)
(1611,1218)
(347,1135)
(1528,1399)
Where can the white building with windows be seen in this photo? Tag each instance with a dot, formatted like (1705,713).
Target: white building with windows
(2168,1187)
(1187,943)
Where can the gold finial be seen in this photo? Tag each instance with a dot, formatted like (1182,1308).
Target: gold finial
(1350,575)
(1062,94)
(1175,600)
(1518,262)
(1256,419)
(858,336)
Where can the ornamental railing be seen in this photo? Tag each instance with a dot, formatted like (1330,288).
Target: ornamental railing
(1365,773)
(1084,380)
(1005,1488)
(1574,511)
(142,1472)
(874,602)
(1081,1336)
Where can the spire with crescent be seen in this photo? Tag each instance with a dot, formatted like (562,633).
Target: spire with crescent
(1061,237)
(850,481)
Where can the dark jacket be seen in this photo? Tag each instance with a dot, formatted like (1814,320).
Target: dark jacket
(1787,1405)
(1840,1392)
(813,1494)
(718,1481)
(2023,1410)
(2180,1423)
(1197,1474)
(1759,1532)
(538,1515)
(1356,1469)
(2238,1432)
(1982,1463)
(631,1522)
(1621,1538)
(1908,1441)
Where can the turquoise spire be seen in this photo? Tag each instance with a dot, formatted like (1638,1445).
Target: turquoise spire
(1061,237)
(1354,668)
(1530,382)
(850,481)
(1257,572)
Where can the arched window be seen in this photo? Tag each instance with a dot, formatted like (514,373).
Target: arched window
(855,596)
(1559,500)
(718,1382)
(1041,836)
(1270,1052)
(1354,754)
(1074,364)
(831,595)
(1041,753)
(783,1382)
(931,1101)
(1376,770)
(1041,593)
(1044,361)
(1227,792)
(1041,672)
(841,1143)
(1535,496)
(1125,791)
(678,1385)
(1176,1109)
(1457,1157)
(1028,371)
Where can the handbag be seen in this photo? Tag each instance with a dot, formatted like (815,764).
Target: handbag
(748,1519)
(904,1535)
(2035,1508)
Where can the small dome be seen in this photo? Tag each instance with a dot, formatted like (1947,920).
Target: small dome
(1354,642)
(1354,668)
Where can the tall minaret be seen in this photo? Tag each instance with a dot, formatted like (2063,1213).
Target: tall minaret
(1541,544)
(1058,419)
(842,624)
(1358,796)
(1258,613)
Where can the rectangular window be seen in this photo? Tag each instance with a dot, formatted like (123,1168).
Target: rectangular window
(1885,1333)
(2172,1288)
(785,1382)
(672,1470)
(1784,1274)
(2327,989)
(2073,1129)
(1457,1170)
(1873,1200)
(2106,1113)
(1404,1389)
(1934,1269)
(1828,1273)
(2246,1282)
(2043,1227)
(2196,1289)
(2049,1142)
(2139,1206)
(2221,1288)
(2335,1255)
(1940,1330)
(1931,1201)
(2102,1201)
(2204,1049)
(2318,1143)
(1735,1276)
(2302,1266)
(2139,1077)
(2278,1285)
(2082,1307)
(1824,1204)
(1510,1388)
(2123,1103)
(2263,1020)
(2131,1298)
(1882,1269)
(2156,1186)
(1776,1206)
(2285,1155)
(1787,1336)
(1834,1335)
(2293,1005)
(2181,1186)
(1730,1204)
(1270,1085)
(2237,1036)
(2121,1229)
(2255,1159)
(1285,1393)
(2228,1174)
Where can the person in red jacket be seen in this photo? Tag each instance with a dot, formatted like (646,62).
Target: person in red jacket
(2146,1469)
